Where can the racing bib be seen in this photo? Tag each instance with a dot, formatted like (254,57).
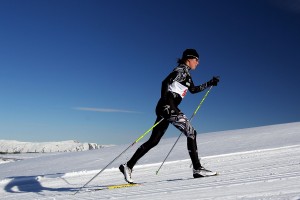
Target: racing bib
(178,88)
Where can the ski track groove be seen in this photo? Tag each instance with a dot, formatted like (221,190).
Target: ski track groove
(225,178)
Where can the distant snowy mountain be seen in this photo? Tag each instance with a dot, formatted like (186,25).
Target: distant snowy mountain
(12,146)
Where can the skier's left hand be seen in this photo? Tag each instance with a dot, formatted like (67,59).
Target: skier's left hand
(214,81)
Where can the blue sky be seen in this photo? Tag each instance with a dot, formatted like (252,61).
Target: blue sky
(92,70)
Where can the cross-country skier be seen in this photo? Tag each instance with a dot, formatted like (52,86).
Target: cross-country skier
(174,88)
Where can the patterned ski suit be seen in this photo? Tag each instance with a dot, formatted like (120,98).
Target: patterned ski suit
(174,88)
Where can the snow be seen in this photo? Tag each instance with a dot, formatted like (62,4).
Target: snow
(254,163)
(12,146)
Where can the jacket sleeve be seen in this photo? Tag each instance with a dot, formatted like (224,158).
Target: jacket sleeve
(195,89)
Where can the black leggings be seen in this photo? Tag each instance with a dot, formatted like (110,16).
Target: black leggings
(180,122)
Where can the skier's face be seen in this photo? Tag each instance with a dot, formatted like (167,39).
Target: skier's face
(193,63)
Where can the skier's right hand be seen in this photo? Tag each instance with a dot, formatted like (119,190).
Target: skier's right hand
(214,81)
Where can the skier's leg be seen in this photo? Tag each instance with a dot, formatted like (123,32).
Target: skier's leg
(182,123)
(193,150)
(154,139)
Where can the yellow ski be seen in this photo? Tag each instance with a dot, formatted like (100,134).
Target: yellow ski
(122,186)
(111,187)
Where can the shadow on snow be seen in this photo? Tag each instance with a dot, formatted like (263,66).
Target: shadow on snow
(25,184)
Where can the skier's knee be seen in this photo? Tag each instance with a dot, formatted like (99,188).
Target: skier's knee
(150,144)
(192,134)
(154,143)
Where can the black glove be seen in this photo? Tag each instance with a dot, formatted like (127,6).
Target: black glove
(214,81)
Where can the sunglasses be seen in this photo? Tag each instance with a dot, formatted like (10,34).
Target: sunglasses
(193,57)
(197,59)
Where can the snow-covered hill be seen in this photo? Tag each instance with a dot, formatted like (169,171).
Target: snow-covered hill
(254,163)
(12,146)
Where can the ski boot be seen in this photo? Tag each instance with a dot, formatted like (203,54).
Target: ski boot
(126,172)
(202,172)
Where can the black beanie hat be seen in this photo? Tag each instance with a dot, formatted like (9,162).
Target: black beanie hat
(189,53)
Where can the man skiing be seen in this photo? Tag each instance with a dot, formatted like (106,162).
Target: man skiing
(174,88)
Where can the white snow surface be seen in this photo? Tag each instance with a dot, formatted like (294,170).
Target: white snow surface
(253,163)
(12,146)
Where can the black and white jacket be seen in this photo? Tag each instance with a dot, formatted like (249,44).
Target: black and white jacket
(177,83)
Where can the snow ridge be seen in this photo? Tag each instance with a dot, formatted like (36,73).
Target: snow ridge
(12,146)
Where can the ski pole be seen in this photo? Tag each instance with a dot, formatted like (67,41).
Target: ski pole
(181,132)
(137,140)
